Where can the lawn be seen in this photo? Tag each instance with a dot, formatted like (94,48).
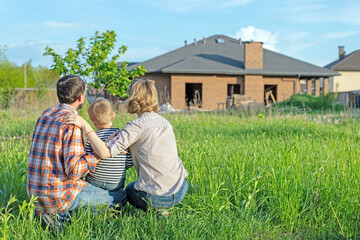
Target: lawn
(251,176)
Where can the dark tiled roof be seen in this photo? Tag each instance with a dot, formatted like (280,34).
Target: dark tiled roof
(351,62)
(227,58)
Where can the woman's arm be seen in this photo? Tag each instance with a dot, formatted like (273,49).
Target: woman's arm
(124,138)
(97,144)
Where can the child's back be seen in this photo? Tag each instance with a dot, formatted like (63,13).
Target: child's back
(109,173)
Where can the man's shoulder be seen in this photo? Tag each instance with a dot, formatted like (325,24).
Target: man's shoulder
(54,117)
(55,111)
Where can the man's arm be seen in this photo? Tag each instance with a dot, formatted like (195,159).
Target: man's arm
(77,162)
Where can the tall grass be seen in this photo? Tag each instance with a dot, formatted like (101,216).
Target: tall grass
(251,176)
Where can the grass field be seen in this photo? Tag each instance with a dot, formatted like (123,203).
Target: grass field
(251,177)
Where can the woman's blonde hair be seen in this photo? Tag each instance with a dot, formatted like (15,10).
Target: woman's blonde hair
(101,112)
(142,97)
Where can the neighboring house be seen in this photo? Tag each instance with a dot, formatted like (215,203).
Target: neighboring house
(347,85)
(214,68)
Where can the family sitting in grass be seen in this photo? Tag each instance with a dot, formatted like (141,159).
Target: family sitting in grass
(64,175)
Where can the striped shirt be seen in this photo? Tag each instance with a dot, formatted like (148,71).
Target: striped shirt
(109,170)
(57,161)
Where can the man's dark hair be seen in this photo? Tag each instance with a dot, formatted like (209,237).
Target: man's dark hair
(69,88)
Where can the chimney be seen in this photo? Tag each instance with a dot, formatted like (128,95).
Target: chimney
(253,55)
(204,40)
(341,52)
(185,42)
(195,41)
(240,41)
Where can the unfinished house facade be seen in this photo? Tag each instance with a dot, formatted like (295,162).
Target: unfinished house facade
(207,73)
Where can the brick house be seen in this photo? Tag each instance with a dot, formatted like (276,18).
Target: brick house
(219,66)
(347,84)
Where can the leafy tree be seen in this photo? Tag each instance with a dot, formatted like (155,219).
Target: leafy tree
(12,76)
(95,64)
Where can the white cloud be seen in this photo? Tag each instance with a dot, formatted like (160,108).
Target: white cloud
(254,34)
(336,35)
(62,25)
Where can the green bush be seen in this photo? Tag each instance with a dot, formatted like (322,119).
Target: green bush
(326,102)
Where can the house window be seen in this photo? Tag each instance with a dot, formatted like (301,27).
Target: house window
(233,89)
(270,94)
(193,94)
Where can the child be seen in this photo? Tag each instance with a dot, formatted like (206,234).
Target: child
(110,172)
(161,175)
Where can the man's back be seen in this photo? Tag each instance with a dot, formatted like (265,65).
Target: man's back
(57,161)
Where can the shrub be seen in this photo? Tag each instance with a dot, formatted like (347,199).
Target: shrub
(326,102)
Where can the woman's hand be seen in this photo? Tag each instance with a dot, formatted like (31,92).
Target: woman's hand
(76,120)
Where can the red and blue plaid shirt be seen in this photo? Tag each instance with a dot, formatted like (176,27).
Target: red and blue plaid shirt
(57,161)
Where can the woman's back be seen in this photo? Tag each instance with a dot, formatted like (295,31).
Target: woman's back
(153,147)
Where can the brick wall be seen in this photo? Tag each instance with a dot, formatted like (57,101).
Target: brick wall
(214,89)
(253,55)
(254,87)
(309,86)
(317,87)
(162,84)
(326,86)
(286,87)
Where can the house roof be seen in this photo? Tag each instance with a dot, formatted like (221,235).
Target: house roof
(350,62)
(226,56)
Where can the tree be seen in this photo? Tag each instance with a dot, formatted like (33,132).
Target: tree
(12,77)
(96,65)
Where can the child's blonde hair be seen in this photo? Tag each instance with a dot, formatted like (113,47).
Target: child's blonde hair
(142,97)
(101,112)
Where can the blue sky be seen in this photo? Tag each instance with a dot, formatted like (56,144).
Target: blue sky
(309,30)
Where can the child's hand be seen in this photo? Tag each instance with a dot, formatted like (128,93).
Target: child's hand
(76,120)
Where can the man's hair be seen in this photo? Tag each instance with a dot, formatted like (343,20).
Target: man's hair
(142,97)
(69,88)
(101,112)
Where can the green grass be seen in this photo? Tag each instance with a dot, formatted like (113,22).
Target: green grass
(253,177)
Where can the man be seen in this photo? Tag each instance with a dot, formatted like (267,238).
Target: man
(57,160)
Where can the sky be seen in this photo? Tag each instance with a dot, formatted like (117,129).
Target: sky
(308,30)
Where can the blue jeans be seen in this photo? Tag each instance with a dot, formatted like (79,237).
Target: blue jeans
(89,196)
(143,200)
(95,196)
(106,186)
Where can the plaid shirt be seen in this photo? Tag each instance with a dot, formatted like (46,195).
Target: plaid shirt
(57,161)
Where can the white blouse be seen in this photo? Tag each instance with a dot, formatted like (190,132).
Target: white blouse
(152,144)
